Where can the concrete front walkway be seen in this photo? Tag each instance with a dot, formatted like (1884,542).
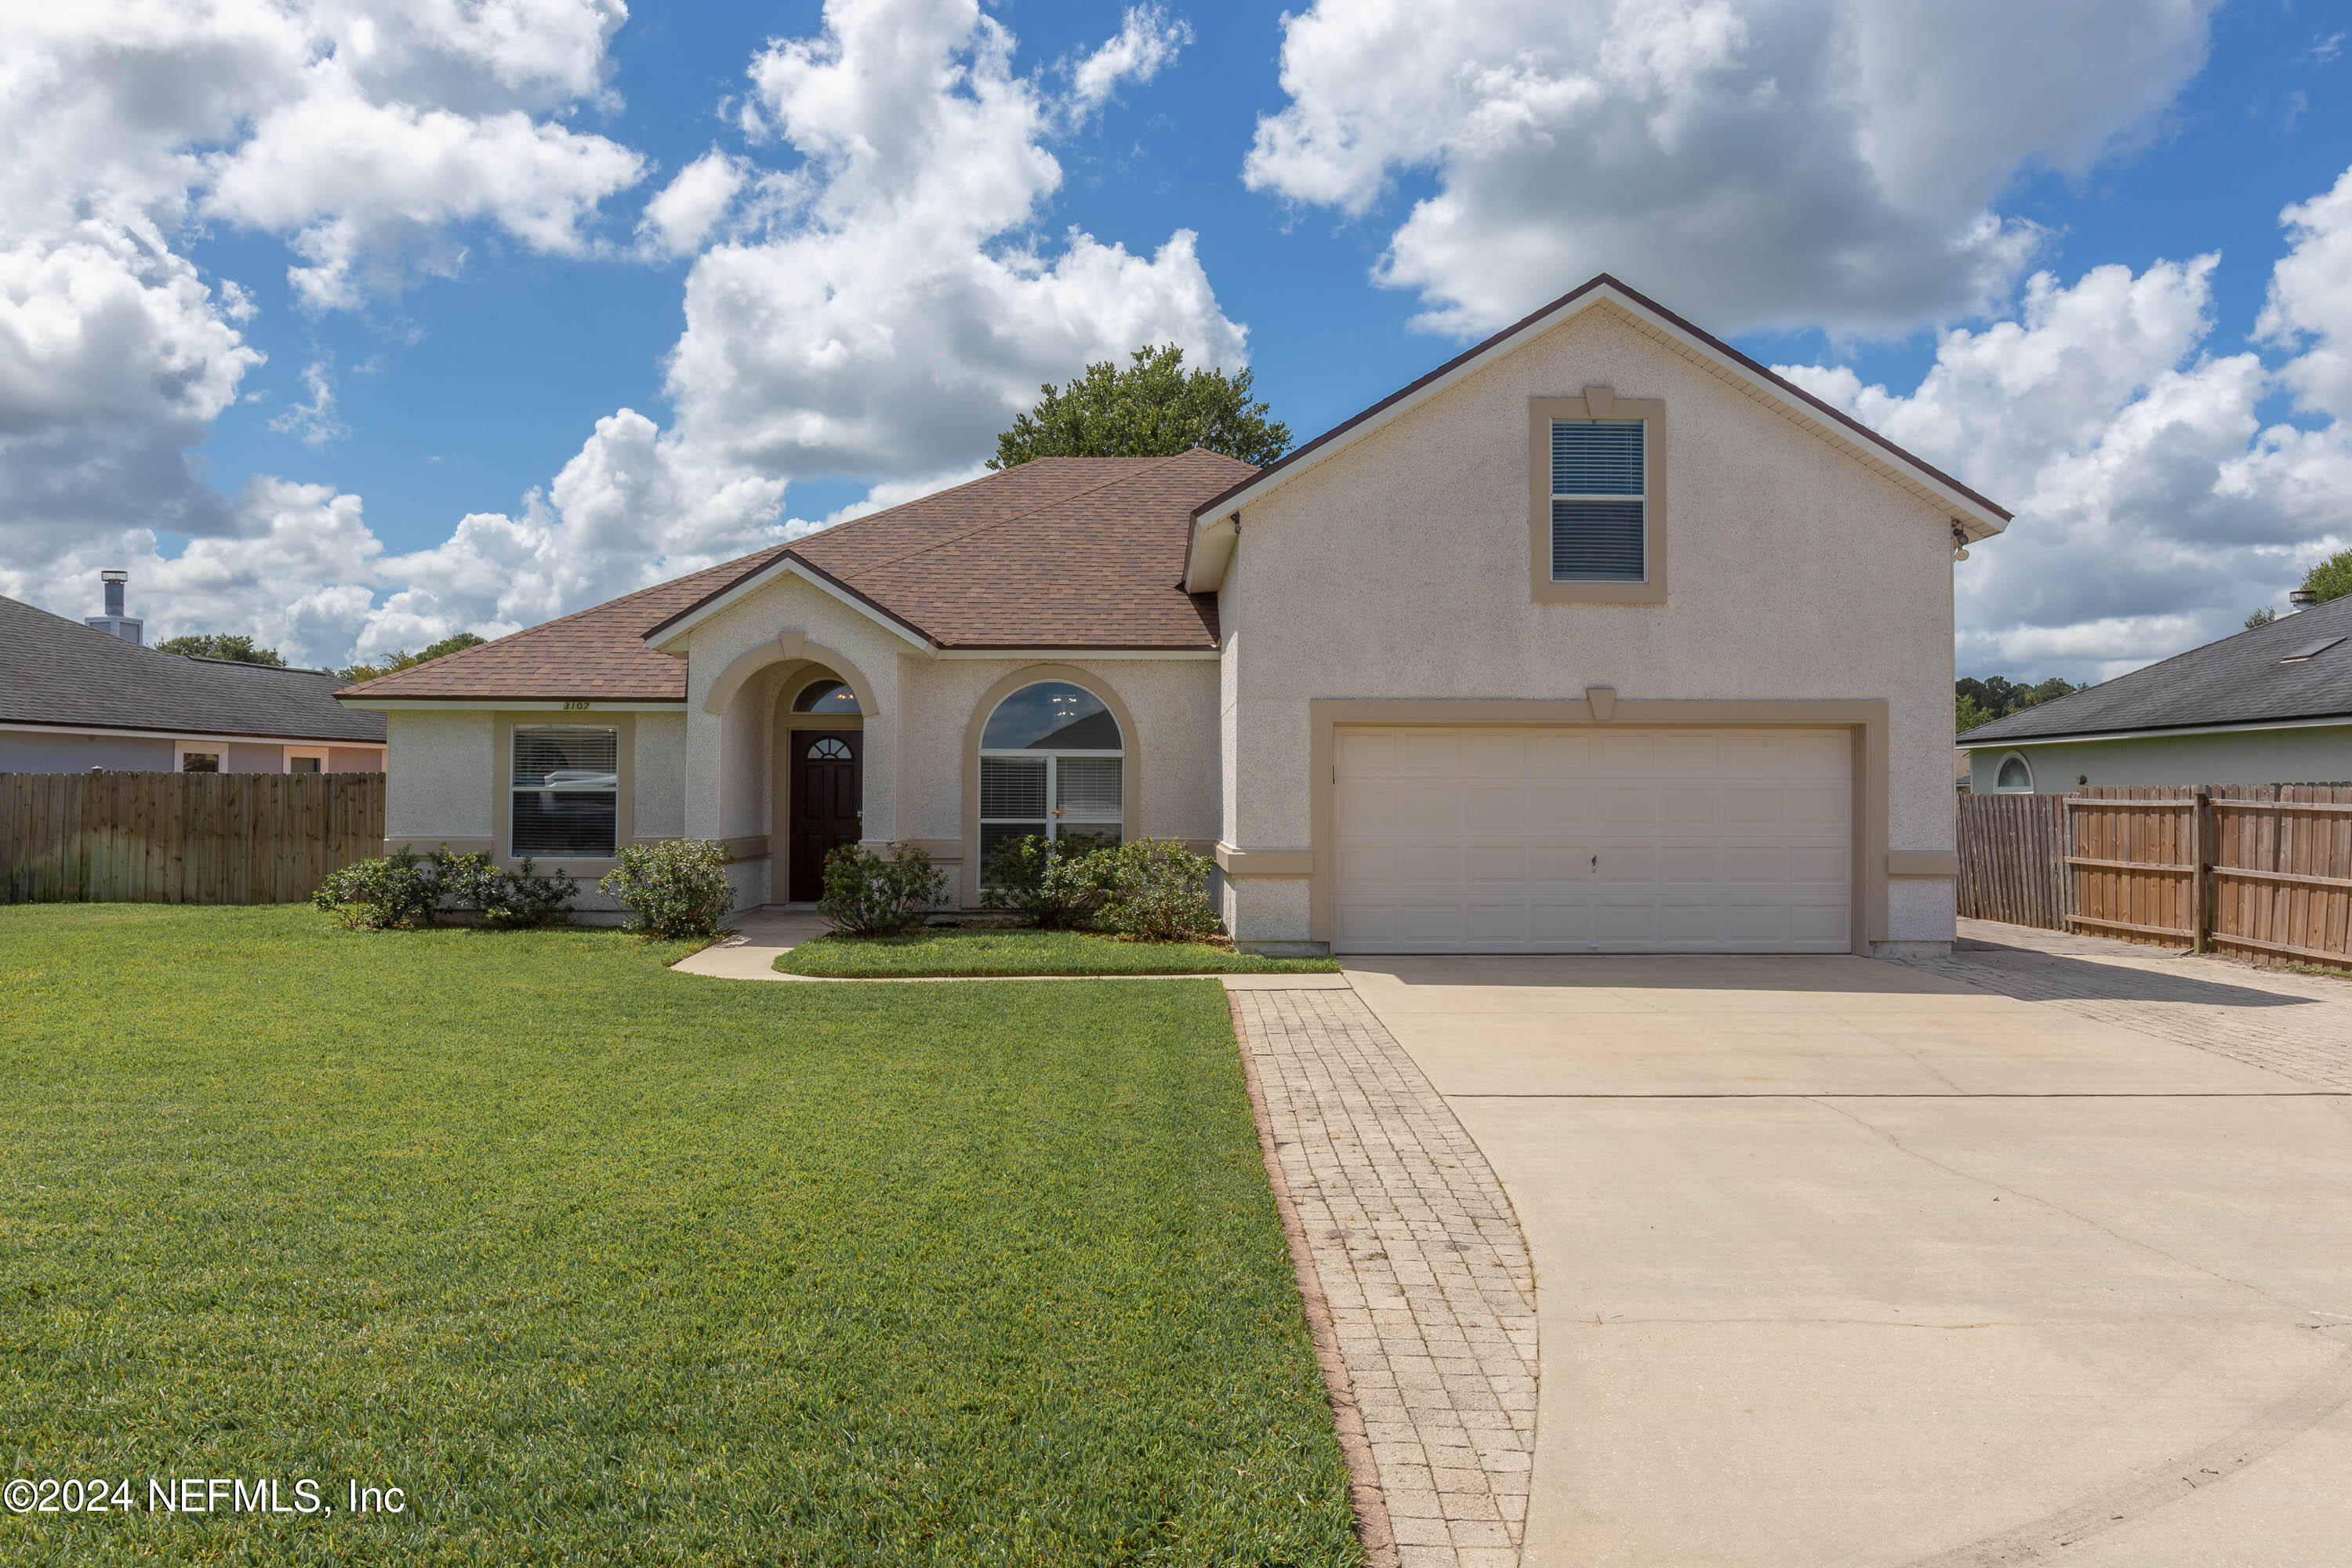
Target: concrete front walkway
(1859,1263)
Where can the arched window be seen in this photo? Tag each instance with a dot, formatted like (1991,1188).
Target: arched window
(2014,777)
(827,696)
(1052,763)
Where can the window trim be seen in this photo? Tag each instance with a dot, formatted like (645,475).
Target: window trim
(1597,403)
(180,749)
(624,747)
(286,764)
(2022,762)
(1130,784)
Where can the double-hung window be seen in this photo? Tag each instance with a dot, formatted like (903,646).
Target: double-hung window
(1598,500)
(566,796)
(1597,511)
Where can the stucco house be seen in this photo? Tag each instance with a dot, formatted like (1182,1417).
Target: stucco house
(1599,638)
(2269,705)
(78,696)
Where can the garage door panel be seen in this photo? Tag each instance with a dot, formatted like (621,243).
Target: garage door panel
(1495,808)
(1502,840)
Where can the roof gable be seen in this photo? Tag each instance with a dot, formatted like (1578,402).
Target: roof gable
(1211,542)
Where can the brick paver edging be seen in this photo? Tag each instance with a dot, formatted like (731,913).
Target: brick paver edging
(1363,1475)
(1414,1266)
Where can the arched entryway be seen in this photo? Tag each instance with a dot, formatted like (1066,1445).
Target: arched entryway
(820,776)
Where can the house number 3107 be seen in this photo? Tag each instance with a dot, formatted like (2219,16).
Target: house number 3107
(575,707)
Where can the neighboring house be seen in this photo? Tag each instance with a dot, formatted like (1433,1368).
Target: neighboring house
(1600,636)
(76,696)
(2270,705)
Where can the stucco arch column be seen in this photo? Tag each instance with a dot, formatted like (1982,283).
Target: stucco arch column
(731,736)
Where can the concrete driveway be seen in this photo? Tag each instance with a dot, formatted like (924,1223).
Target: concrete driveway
(1845,1262)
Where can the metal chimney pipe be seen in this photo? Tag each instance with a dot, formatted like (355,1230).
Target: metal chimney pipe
(114,582)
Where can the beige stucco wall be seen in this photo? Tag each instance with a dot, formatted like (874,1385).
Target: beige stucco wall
(437,780)
(659,807)
(1398,569)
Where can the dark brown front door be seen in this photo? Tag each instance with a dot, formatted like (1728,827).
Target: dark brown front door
(825,801)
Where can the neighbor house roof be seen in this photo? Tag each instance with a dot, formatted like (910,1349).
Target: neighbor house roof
(1977,517)
(61,673)
(2250,678)
(1060,552)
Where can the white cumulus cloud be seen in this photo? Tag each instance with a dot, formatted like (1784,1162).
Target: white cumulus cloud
(1756,162)
(2155,507)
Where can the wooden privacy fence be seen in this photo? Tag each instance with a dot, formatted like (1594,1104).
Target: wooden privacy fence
(2261,871)
(2013,858)
(182,839)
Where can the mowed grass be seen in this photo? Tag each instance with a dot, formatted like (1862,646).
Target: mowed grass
(604,1264)
(981,951)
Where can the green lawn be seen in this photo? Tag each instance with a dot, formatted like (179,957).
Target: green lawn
(601,1263)
(985,951)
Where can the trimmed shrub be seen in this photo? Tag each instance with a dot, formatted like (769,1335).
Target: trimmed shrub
(406,890)
(1044,881)
(866,895)
(399,891)
(676,888)
(1153,889)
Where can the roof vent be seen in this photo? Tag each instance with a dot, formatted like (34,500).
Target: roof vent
(2309,649)
(114,623)
(2301,598)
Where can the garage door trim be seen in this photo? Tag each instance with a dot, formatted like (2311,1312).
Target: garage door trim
(1865,719)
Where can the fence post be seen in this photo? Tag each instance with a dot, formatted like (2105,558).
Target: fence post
(2066,877)
(2201,875)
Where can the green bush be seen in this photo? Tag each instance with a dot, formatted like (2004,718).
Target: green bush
(1153,890)
(403,890)
(866,895)
(1044,881)
(678,888)
(399,891)
(522,897)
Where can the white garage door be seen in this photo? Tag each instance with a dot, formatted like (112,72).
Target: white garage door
(1591,840)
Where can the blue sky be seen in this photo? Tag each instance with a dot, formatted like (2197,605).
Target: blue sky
(470,354)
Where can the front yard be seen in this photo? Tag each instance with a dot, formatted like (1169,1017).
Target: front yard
(600,1263)
(983,952)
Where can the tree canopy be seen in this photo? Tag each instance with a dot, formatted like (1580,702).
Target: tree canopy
(2331,579)
(1976,703)
(235,646)
(404,660)
(1153,408)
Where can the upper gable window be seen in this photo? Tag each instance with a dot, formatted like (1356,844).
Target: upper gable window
(1596,527)
(1597,490)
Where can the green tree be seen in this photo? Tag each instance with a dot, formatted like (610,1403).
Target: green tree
(1998,697)
(353,674)
(235,646)
(2331,579)
(2260,617)
(1153,408)
(1967,714)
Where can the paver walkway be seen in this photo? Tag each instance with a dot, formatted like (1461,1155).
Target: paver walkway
(1422,1264)
(2298,1025)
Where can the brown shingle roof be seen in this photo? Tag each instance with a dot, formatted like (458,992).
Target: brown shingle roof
(1058,553)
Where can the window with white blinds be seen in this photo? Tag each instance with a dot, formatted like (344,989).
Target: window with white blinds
(1598,500)
(567,788)
(1052,766)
